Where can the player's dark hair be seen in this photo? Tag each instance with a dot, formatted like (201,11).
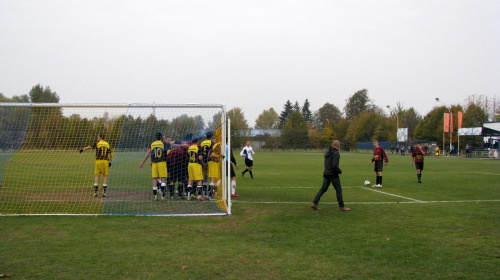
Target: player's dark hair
(101,135)
(209,135)
(195,140)
(159,135)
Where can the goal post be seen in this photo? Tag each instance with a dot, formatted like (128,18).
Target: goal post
(43,172)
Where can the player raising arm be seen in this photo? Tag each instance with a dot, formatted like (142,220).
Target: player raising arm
(103,159)
(158,165)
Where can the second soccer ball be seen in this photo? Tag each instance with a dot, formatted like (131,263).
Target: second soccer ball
(367,183)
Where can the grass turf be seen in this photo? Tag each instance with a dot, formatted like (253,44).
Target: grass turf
(448,227)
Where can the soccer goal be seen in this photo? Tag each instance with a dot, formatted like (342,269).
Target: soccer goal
(44,172)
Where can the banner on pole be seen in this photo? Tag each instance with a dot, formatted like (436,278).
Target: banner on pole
(402,134)
(446,122)
(460,117)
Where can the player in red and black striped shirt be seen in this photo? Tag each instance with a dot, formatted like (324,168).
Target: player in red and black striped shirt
(379,157)
(417,157)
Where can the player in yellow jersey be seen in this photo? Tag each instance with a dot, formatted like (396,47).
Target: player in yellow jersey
(158,157)
(214,169)
(195,172)
(206,148)
(103,159)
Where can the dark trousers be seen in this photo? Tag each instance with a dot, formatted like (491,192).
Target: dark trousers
(326,184)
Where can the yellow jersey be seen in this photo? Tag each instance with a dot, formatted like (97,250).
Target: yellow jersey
(194,153)
(157,152)
(103,151)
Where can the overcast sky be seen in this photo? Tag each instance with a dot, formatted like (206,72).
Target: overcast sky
(252,54)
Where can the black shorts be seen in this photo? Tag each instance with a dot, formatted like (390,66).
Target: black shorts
(248,162)
(231,169)
(176,173)
(419,165)
(378,166)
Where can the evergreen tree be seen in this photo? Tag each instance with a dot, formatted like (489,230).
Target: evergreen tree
(287,110)
(306,112)
(296,106)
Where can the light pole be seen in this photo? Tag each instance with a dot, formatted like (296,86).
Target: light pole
(451,120)
(397,125)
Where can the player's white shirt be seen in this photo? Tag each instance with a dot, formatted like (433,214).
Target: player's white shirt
(247,152)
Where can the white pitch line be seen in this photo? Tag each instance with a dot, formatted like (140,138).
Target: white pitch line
(367,202)
(285,187)
(486,173)
(395,195)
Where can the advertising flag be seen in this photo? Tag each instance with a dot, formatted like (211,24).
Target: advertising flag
(460,116)
(446,122)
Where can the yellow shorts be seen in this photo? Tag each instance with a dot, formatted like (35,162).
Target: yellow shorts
(101,167)
(214,170)
(195,172)
(159,169)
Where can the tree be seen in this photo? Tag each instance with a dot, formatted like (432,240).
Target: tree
(239,127)
(39,94)
(306,112)
(474,116)
(326,113)
(296,106)
(287,110)
(268,119)
(370,126)
(356,104)
(410,120)
(295,133)
(431,126)
(3,98)
(490,105)
(21,98)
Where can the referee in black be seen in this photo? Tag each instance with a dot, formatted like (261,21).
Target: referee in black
(331,176)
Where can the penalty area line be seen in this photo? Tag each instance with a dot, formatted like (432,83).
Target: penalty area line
(395,195)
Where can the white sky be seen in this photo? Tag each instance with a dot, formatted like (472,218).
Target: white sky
(252,54)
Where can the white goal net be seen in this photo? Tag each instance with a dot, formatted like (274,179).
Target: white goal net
(44,172)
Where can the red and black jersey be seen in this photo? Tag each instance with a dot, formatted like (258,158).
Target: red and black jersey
(177,156)
(379,155)
(418,154)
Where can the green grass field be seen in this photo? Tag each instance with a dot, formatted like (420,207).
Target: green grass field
(448,227)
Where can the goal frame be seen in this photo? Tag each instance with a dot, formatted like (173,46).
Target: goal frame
(225,123)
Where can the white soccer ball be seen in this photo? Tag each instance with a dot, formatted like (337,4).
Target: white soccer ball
(367,183)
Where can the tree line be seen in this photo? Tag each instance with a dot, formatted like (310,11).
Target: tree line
(360,120)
